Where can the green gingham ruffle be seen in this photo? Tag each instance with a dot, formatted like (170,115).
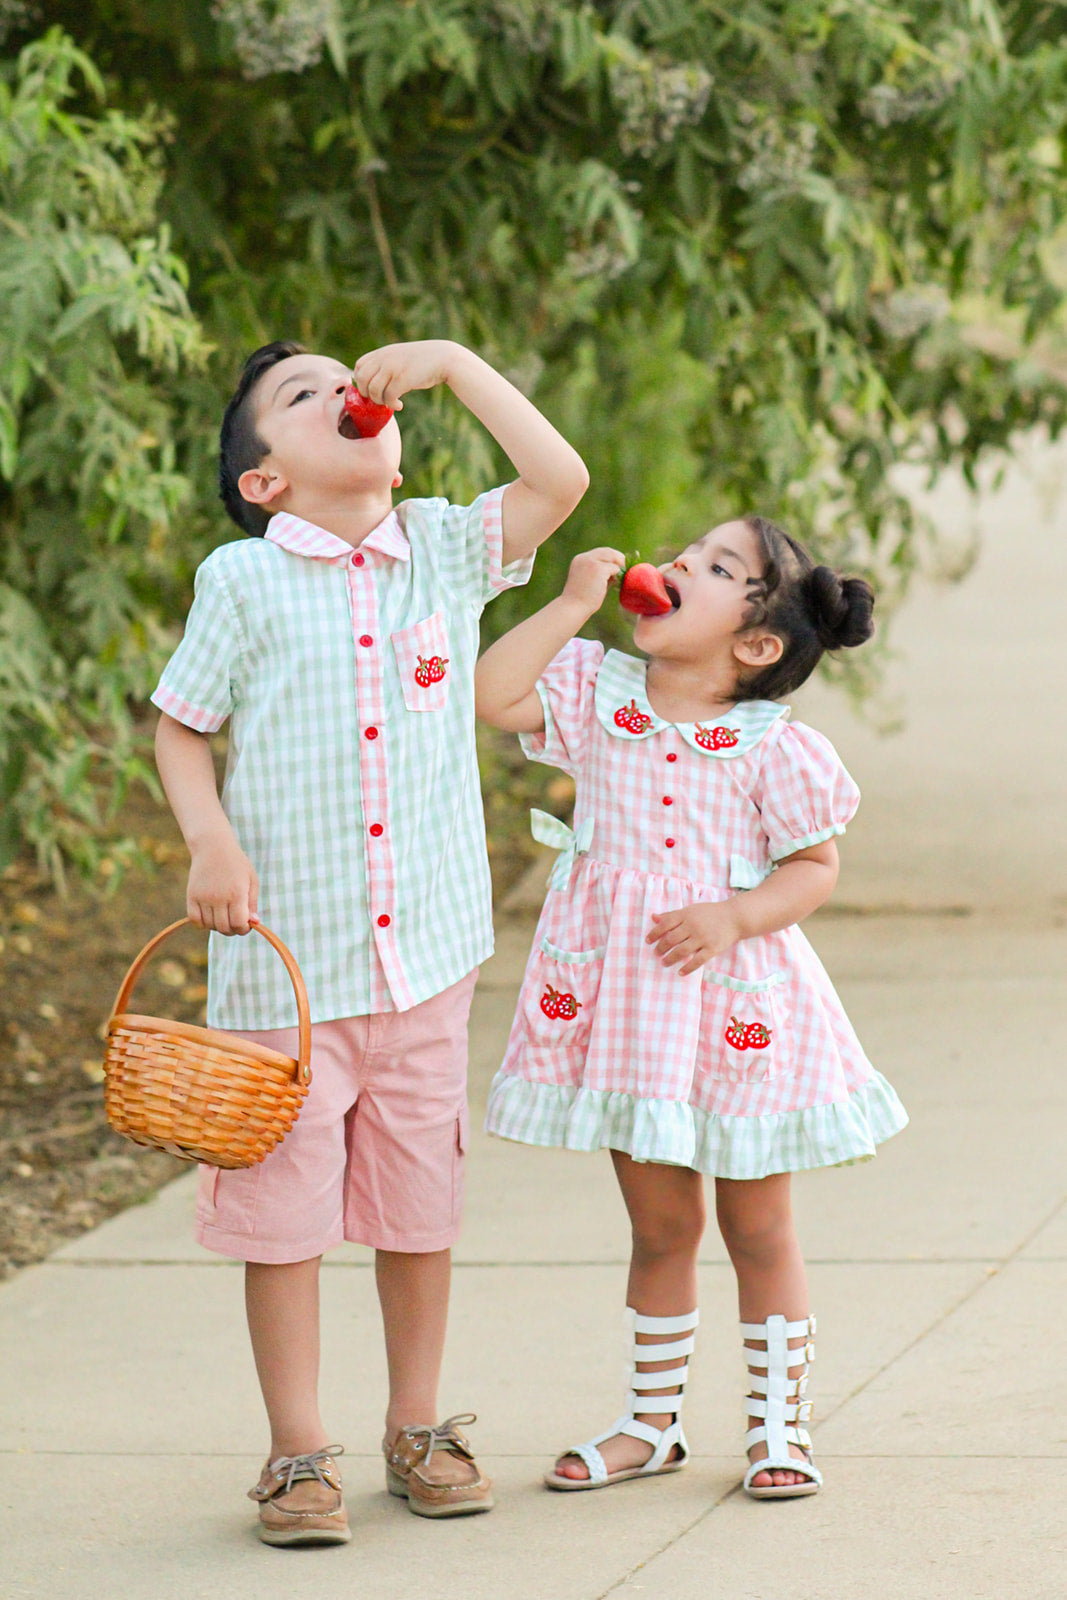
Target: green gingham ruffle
(678,1134)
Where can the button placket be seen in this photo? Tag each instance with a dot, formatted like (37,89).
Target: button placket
(373,781)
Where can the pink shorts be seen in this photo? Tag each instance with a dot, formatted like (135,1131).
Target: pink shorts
(377,1153)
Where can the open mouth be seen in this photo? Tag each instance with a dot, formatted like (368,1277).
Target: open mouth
(672,594)
(346,427)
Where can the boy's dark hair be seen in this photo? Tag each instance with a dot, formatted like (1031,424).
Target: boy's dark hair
(240,446)
(811,608)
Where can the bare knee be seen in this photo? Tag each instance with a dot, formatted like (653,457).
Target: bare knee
(756,1223)
(670,1230)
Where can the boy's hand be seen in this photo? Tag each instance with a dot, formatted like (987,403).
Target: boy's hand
(590,573)
(694,935)
(223,889)
(385,374)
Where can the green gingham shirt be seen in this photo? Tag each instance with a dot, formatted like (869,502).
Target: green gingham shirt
(352,781)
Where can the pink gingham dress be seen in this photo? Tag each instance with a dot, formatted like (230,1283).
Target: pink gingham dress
(750,1065)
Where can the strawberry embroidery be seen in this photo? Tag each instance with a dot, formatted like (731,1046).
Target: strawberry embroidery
(747,1035)
(735,1034)
(716,738)
(430,671)
(633,720)
(557,1003)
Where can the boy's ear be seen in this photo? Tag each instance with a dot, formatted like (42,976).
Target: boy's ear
(757,649)
(260,485)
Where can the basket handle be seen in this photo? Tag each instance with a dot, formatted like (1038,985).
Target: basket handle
(303,1064)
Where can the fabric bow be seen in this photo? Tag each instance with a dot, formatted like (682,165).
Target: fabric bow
(550,830)
(745,874)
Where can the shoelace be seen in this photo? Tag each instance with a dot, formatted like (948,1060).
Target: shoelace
(297,1468)
(442,1433)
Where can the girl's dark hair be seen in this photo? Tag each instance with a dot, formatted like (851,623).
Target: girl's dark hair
(811,608)
(240,446)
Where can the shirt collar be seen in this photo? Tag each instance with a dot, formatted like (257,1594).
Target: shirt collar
(302,538)
(623,710)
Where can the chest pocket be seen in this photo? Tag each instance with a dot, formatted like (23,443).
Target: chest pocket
(422,661)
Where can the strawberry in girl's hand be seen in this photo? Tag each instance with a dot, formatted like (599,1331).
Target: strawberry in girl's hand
(644,592)
(368,418)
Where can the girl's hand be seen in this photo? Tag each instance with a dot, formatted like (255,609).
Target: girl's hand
(383,375)
(223,889)
(694,935)
(590,574)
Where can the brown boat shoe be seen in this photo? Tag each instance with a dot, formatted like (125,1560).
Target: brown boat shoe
(300,1500)
(406,1475)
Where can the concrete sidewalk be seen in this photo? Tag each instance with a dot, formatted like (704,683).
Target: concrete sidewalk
(130,1423)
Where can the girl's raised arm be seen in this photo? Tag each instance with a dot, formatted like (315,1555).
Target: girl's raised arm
(504,693)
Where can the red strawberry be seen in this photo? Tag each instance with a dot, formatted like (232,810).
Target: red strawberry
(557,1003)
(633,720)
(422,674)
(367,416)
(643,591)
(716,738)
(736,1034)
(757,1037)
(437,666)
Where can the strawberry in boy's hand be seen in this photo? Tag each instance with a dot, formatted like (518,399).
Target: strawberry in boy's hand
(643,591)
(368,418)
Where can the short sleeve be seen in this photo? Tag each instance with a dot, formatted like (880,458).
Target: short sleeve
(472,553)
(804,793)
(196,687)
(566,689)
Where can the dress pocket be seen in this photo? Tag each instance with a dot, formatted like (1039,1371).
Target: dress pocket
(559,998)
(422,660)
(745,1033)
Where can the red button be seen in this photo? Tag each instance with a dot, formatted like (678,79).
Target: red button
(365,640)
(371,733)
(384,921)
(669,843)
(672,756)
(667,801)
(358,560)
(376,830)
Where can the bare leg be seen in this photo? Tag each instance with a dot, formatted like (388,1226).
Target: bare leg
(756,1221)
(282,1303)
(413,1293)
(667,1216)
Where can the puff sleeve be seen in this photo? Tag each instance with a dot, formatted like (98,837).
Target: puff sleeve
(804,793)
(566,689)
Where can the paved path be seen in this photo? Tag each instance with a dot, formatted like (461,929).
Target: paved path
(129,1418)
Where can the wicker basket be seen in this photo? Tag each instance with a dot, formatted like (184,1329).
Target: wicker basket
(198,1092)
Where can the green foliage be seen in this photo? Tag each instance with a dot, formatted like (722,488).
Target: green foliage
(734,250)
(94,313)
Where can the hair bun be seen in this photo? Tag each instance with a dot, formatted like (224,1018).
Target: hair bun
(840,608)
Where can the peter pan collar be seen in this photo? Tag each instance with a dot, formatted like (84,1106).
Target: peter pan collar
(623,710)
(302,538)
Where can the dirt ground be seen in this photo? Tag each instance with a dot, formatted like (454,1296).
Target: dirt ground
(62,1169)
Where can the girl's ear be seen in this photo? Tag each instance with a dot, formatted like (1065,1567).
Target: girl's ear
(758,649)
(260,485)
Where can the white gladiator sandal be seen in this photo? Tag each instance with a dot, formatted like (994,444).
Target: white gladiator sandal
(781,1404)
(642,1402)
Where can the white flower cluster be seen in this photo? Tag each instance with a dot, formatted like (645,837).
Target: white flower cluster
(887,103)
(656,100)
(907,312)
(274,35)
(779,154)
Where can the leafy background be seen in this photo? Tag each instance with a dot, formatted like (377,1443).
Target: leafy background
(745,255)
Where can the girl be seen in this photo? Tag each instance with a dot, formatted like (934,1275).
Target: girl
(672,1010)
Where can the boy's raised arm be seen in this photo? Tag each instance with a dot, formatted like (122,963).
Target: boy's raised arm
(552,475)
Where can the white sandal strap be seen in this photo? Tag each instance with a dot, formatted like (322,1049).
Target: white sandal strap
(594,1461)
(793,1330)
(684,1324)
(665,1351)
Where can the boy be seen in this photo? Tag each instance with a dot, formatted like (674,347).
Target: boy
(341,640)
